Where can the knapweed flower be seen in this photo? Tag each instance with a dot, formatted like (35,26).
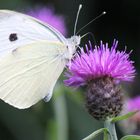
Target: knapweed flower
(134,105)
(131,105)
(101,70)
(48,15)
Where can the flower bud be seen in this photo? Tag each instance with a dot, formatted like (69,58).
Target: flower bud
(103,98)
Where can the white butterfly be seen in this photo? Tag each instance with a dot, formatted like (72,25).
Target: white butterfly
(32,56)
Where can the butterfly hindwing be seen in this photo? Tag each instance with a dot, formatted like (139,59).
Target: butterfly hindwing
(30,72)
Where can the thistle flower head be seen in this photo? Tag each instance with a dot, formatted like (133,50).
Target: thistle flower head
(131,105)
(100,62)
(101,69)
(48,15)
(134,105)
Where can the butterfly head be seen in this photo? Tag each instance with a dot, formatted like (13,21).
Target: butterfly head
(72,44)
(75,40)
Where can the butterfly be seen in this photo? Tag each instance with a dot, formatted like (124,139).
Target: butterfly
(33,54)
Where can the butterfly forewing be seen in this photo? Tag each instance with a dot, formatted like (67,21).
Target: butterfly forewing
(27,30)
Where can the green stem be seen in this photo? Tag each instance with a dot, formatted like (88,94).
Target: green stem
(111,127)
(61,118)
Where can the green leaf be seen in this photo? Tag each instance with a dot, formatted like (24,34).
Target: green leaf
(96,133)
(131,137)
(123,117)
(106,135)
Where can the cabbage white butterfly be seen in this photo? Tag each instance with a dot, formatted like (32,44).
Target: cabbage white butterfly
(32,56)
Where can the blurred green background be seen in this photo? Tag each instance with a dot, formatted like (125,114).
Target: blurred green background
(65,116)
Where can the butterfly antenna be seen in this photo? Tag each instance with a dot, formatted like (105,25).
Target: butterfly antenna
(103,13)
(75,26)
(91,34)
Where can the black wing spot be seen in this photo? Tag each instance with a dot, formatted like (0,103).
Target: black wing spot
(13,37)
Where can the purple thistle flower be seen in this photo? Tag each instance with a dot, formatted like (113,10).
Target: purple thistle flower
(100,62)
(47,15)
(133,104)
(101,69)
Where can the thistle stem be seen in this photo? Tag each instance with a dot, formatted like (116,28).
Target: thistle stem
(61,118)
(111,127)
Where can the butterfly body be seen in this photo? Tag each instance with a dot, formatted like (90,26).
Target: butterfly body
(32,56)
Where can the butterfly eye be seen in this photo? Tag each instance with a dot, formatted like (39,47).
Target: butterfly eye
(13,37)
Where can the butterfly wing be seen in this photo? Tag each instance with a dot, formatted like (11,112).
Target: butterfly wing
(30,72)
(27,30)
(31,63)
